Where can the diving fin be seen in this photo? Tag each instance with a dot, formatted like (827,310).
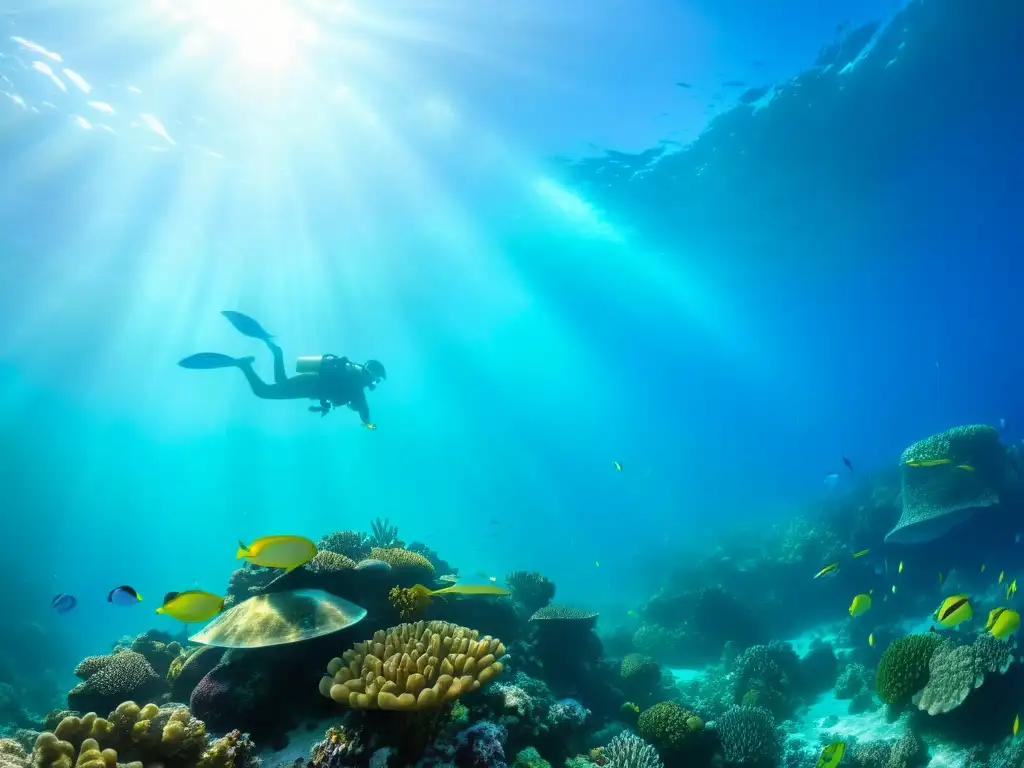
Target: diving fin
(246,325)
(204,361)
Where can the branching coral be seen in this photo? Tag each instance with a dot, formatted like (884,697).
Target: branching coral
(530,588)
(404,564)
(956,670)
(413,666)
(670,727)
(384,534)
(408,602)
(903,668)
(629,751)
(326,561)
(748,735)
(351,544)
(111,679)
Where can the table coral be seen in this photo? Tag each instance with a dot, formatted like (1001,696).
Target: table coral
(413,666)
(956,670)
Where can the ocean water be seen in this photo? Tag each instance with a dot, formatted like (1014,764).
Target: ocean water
(723,244)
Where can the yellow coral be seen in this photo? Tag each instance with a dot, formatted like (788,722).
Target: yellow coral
(413,666)
(405,564)
(408,602)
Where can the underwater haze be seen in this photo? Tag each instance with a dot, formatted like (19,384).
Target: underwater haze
(641,274)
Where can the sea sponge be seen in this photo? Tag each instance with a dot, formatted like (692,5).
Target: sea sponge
(530,588)
(629,751)
(640,673)
(326,561)
(956,670)
(351,544)
(413,666)
(112,679)
(749,735)
(669,726)
(903,669)
(405,564)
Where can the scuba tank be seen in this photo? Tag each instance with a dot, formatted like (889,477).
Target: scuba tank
(319,363)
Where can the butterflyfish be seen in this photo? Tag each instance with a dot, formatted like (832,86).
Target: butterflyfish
(928,462)
(965,467)
(831,755)
(954,610)
(617,465)
(861,553)
(288,552)
(1005,624)
(63,603)
(192,606)
(861,604)
(1016,724)
(992,616)
(871,639)
(123,595)
(900,569)
(826,570)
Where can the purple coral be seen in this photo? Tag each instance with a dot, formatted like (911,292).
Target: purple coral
(481,746)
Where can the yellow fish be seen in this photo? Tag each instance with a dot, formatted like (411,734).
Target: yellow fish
(1016,724)
(192,606)
(900,569)
(1002,575)
(861,553)
(288,552)
(1011,589)
(597,563)
(460,589)
(371,427)
(954,610)
(965,467)
(871,639)
(617,465)
(992,616)
(1005,624)
(831,755)
(861,604)
(826,570)
(940,577)
(928,462)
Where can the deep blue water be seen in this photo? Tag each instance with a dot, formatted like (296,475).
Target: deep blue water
(444,189)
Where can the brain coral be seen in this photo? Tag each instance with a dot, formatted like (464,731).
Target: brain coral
(956,670)
(903,668)
(749,735)
(413,666)
(404,564)
(669,726)
(111,679)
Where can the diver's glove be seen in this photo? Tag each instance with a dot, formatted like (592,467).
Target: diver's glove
(323,409)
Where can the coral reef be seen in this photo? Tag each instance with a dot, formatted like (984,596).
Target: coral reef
(531,589)
(326,561)
(674,730)
(114,678)
(191,666)
(407,567)
(384,535)
(530,758)
(956,670)
(903,669)
(629,751)
(408,602)
(350,544)
(640,674)
(748,735)
(905,752)
(413,666)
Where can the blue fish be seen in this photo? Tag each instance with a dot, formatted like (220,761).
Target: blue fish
(204,361)
(246,325)
(63,603)
(123,595)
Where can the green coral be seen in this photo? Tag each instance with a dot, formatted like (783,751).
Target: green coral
(530,758)
(669,726)
(956,670)
(903,668)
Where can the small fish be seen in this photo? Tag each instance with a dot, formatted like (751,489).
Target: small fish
(1016,724)
(831,480)
(449,578)
(617,465)
(192,606)
(372,564)
(848,463)
(831,755)
(861,604)
(928,462)
(965,467)
(1002,575)
(954,610)
(894,589)
(246,325)
(1011,589)
(982,568)
(370,427)
(940,577)
(631,613)
(994,614)
(123,595)
(63,603)
(871,639)
(288,552)
(900,569)
(597,563)
(1005,624)
(1002,423)
(861,553)
(827,570)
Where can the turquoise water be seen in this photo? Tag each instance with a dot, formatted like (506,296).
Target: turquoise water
(547,224)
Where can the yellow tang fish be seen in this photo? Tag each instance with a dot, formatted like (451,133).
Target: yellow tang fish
(831,755)
(1002,575)
(1005,624)
(861,604)
(1016,724)
(900,569)
(826,570)
(954,610)
(192,606)
(861,553)
(288,552)
(965,467)
(871,639)
(928,462)
(617,465)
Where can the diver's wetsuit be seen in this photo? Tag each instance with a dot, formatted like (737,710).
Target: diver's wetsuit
(341,384)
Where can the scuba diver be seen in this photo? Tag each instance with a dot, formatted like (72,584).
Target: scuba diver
(333,381)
